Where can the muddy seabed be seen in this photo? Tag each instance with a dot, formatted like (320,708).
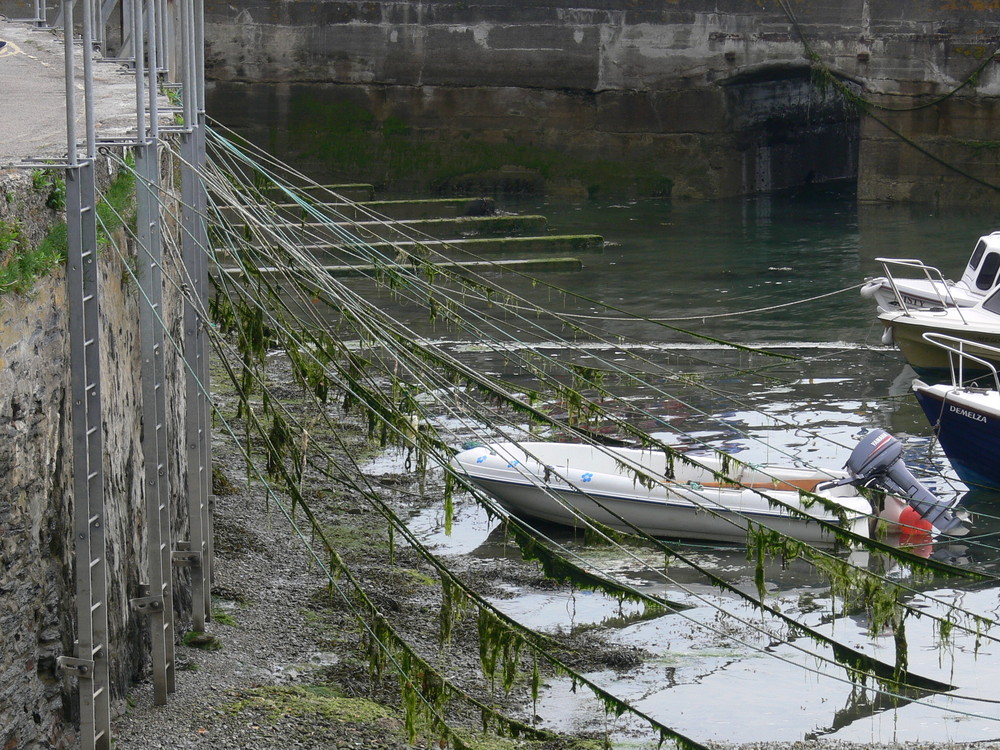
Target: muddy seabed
(289,672)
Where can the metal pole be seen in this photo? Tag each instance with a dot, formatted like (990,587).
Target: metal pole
(198,437)
(88,78)
(139,53)
(70,73)
(90,663)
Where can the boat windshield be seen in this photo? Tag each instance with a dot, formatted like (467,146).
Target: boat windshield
(977,254)
(992,303)
(988,273)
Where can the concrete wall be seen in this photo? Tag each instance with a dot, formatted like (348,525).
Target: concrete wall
(37,581)
(586,91)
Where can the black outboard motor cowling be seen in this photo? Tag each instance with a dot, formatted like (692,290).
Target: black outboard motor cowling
(877,460)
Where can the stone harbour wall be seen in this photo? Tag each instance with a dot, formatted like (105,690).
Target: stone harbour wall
(695,99)
(37,566)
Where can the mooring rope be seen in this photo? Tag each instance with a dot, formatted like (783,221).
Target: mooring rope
(736,314)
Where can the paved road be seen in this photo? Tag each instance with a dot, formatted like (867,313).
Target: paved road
(33,95)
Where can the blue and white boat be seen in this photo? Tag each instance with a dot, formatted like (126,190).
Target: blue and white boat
(964,413)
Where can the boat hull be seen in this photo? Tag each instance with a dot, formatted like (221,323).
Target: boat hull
(931,361)
(967,424)
(570,490)
(917,294)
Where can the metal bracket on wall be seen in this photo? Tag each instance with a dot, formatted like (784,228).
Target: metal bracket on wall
(74,667)
(147,605)
(185,556)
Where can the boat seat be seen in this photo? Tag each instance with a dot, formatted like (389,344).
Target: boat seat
(809,485)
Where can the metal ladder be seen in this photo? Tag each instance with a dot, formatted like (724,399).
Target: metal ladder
(156,600)
(156,595)
(197,433)
(90,664)
(194,242)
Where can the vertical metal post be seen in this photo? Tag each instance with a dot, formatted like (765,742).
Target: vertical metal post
(194,248)
(162,26)
(90,663)
(203,242)
(158,601)
(127,50)
(194,429)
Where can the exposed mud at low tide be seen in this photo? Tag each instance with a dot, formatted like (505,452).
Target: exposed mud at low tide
(292,671)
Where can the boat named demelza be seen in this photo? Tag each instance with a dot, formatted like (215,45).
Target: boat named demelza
(978,326)
(965,416)
(930,288)
(631,488)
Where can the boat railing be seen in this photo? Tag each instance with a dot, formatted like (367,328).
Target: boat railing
(938,283)
(959,354)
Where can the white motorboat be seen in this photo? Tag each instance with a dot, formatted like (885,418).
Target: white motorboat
(979,324)
(931,289)
(630,488)
(965,418)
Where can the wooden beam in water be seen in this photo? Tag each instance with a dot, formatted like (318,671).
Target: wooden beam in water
(547,243)
(409,229)
(399,210)
(356,271)
(354,191)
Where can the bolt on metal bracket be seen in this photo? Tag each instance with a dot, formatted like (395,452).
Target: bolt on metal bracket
(147,605)
(183,557)
(71,665)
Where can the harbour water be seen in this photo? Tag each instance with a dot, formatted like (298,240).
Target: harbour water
(780,273)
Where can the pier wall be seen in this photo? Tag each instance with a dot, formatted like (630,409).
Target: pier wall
(692,99)
(37,568)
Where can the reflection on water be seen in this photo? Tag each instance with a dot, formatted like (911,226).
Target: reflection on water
(781,273)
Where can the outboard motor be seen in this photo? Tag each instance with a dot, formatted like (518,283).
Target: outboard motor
(877,461)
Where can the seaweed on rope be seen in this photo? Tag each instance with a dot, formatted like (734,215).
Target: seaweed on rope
(336,368)
(501,642)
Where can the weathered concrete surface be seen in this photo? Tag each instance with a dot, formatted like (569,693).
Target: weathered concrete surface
(414,90)
(33,115)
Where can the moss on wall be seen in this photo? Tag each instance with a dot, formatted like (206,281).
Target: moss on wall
(344,141)
(23,262)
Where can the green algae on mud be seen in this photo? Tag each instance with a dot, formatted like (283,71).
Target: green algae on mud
(301,701)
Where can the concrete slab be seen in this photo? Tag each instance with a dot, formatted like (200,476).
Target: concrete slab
(33,95)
